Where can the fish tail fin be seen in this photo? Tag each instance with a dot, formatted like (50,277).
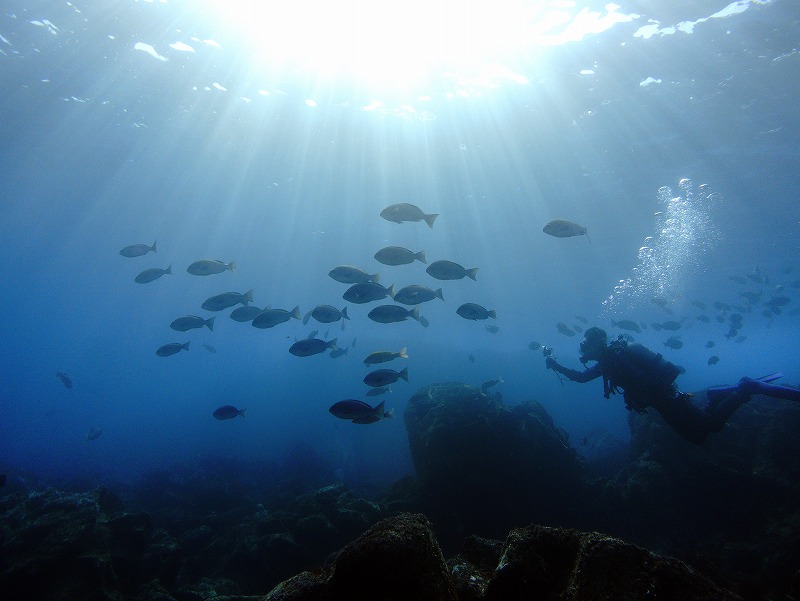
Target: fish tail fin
(248,296)
(390,291)
(295,312)
(586,233)
(232,266)
(345,315)
(493,314)
(185,346)
(306,317)
(414,313)
(439,293)
(429,219)
(388,414)
(375,278)
(472,274)
(404,374)
(420,256)
(210,323)
(403,354)
(379,409)
(241,411)
(168,269)
(153,248)
(332,344)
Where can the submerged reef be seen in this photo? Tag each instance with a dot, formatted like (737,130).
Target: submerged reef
(399,559)
(483,467)
(498,490)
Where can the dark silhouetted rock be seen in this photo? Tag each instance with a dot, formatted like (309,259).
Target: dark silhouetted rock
(397,559)
(728,507)
(472,569)
(483,467)
(58,545)
(566,565)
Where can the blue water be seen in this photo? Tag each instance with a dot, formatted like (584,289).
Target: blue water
(103,145)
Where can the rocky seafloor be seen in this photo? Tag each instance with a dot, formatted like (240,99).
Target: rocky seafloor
(498,490)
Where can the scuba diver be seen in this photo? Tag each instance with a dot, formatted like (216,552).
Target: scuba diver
(646,380)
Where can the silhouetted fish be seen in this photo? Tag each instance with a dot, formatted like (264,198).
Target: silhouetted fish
(228,412)
(404,211)
(137,250)
(65,379)
(563,228)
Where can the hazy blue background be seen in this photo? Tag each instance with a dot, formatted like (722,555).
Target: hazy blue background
(103,145)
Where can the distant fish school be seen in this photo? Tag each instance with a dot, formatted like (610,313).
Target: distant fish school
(364,287)
(405,301)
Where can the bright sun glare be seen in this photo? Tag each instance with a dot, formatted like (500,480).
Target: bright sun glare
(384,43)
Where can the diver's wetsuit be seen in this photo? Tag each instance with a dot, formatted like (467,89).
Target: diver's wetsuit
(685,417)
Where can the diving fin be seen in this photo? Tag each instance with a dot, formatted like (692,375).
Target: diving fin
(770,377)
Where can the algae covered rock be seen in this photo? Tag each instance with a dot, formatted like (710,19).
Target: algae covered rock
(485,467)
(540,562)
(397,559)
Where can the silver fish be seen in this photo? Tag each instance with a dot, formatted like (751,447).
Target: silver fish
(347,274)
(414,295)
(447,270)
(359,412)
(393,314)
(384,356)
(151,275)
(626,324)
(366,292)
(137,250)
(384,377)
(246,313)
(397,213)
(172,348)
(65,379)
(564,329)
(210,267)
(226,300)
(228,412)
(326,314)
(378,391)
(489,383)
(397,255)
(269,318)
(562,228)
(311,346)
(475,312)
(191,322)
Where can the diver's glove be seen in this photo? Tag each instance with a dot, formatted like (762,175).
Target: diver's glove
(551,363)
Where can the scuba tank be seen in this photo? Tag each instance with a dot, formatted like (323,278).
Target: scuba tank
(635,368)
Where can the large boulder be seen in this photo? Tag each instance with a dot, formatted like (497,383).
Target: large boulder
(540,562)
(483,467)
(728,506)
(399,559)
(395,560)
